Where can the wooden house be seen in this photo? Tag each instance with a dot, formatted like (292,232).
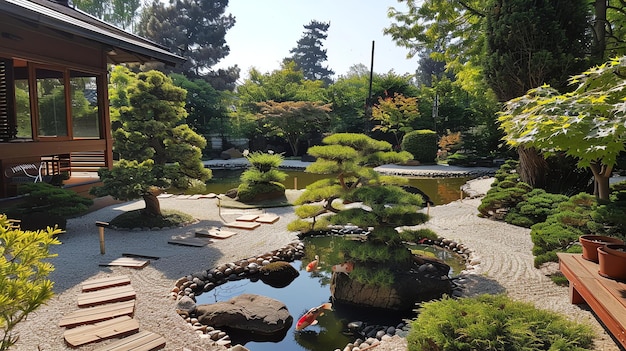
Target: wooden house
(54,113)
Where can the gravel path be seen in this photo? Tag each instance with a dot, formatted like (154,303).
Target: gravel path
(504,252)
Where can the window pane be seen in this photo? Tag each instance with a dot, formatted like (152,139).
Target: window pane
(51,103)
(84,105)
(22,109)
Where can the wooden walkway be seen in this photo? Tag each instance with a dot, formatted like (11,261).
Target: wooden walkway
(112,317)
(605,296)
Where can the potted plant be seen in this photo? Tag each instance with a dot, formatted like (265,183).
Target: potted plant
(591,243)
(612,261)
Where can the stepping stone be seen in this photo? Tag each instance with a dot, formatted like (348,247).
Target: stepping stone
(126,262)
(268,218)
(108,295)
(247,218)
(102,283)
(101,330)
(92,315)
(243,225)
(214,233)
(208,196)
(142,341)
(164,196)
(189,239)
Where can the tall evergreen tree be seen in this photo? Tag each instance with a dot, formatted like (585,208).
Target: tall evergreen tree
(195,29)
(121,13)
(309,55)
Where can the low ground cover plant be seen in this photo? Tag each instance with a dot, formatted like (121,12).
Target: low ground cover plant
(493,322)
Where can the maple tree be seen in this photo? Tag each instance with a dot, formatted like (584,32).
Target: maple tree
(588,123)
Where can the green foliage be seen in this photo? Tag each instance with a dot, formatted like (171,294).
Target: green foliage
(505,193)
(414,235)
(156,150)
(588,124)
(249,192)
(422,144)
(380,205)
(494,322)
(395,114)
(138,219)
(309,55)
(535,208)
(128,180)
(51,199)
(294,120)
(262,177)
(23,275)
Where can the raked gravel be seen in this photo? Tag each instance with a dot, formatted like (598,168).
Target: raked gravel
(503,251)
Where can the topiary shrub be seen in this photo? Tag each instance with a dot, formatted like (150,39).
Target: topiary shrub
(262,181)
(493,322)
(422,144)
(506,192)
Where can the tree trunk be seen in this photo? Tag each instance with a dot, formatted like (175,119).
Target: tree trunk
(601,175)
(533,168)
(153,208)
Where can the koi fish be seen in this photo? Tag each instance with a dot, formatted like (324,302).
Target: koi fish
(345,267)
(310,318)
(312,266)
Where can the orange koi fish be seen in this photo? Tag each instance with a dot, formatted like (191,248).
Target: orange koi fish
(310,318)
(312,266)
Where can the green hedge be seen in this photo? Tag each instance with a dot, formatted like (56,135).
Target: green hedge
(422,144)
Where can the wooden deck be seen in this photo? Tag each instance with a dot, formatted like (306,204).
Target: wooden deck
(606,297)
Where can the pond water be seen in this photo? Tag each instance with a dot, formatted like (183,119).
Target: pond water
(311,289)
(440,190)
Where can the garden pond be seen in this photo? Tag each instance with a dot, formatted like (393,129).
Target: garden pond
(311,289)
(440,190)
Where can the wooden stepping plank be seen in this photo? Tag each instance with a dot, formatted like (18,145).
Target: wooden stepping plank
(102,283)
(208,196)
(99,297)
(214,233)
(243,225)
(153,254)
(142,341)
(102,330)
(164,196)
(92,315)
(189,239)
(247,218)
(126,262)
(268,218)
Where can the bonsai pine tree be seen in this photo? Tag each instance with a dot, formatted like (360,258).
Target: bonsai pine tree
(384,204)
(263,179)
(155,148)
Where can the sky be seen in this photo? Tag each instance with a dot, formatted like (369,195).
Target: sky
(265,31)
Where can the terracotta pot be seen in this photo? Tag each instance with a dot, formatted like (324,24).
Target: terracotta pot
(612,261)
(591,243)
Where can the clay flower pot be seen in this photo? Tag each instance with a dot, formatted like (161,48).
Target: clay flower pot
(591,243)
(612,261)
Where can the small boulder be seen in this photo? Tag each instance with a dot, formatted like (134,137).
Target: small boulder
(247,313)
(278,274)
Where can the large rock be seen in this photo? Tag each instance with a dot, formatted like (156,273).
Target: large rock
(427,282)
(248,312)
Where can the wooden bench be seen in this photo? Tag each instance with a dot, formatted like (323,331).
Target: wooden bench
(142,341)
(606,297)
